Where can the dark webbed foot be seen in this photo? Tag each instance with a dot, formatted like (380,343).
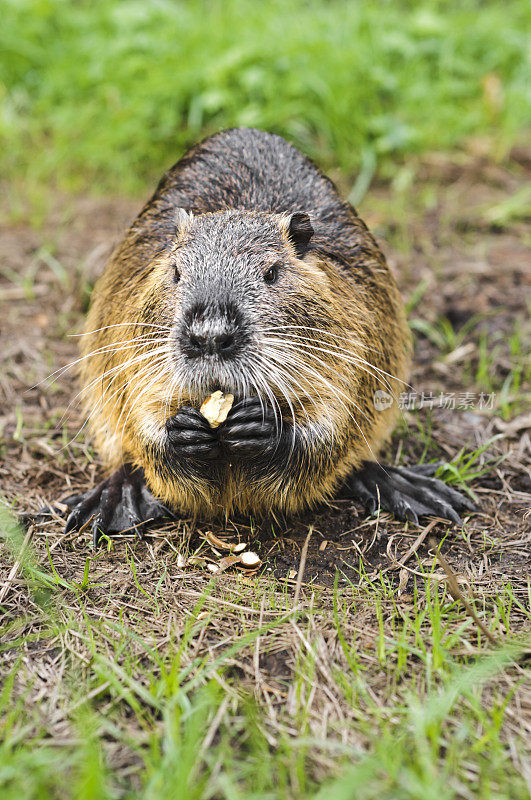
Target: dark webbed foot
(251,428)
(191,437)
(121,502)
(408,492)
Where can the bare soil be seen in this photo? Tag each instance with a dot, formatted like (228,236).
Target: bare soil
(468,268)
(439,234)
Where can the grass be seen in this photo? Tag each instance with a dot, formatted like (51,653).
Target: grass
(143,720)
(125,676)
(468,465)
(496,361)
(104,95)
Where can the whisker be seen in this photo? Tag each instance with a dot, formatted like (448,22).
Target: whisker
(345,355)
(259,363)
(155,377)
(271,396)
(119,325)
(130,363)
(282,372)
(153,373)
(326,364)
(103,399)
(113,348)
(335,392)
(324,332)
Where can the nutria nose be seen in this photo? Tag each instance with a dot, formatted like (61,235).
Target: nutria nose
(211,329)
(203,344)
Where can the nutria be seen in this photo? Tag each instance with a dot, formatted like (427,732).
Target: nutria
(246,273)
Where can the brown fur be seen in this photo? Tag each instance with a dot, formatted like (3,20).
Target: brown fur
(342,286)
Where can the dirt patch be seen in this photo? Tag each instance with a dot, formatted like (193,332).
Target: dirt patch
(437,238)
(467,270)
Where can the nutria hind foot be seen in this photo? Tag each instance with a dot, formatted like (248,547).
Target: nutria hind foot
(408,492)
(122,502)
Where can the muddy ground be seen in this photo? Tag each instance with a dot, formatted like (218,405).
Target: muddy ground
(458,253)
(465,266)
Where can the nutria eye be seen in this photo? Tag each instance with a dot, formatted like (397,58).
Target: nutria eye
(176,275)
(271,276)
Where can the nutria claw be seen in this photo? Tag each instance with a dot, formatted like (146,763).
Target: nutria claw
(251,427)
(122,502)
(408,492)
(191,437)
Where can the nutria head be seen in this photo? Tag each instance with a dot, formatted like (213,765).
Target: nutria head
(236,284)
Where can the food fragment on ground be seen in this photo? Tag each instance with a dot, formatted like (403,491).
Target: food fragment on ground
(250,559)
(228,561)
(223,555)
(224,544)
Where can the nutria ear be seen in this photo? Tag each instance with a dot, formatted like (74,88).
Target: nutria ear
(183,219)
(299,230)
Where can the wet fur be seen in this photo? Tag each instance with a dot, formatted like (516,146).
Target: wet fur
(342,284)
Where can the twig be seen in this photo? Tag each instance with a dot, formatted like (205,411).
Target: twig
(16,566)
(214,725)
(416,544)
(256,656)
(302,564)
(457,594)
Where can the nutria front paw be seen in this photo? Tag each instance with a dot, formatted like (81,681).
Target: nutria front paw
(251,428)
(190,437)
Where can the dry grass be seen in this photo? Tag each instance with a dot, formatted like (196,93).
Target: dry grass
(351,661)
